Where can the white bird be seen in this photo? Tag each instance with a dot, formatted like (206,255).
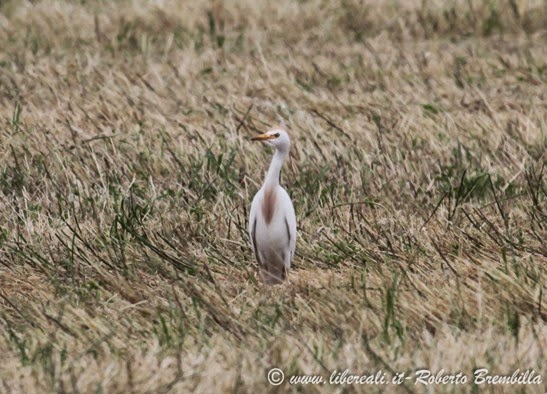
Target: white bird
(272,223)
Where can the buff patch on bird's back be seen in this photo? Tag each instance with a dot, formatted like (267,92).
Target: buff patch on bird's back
(268,204)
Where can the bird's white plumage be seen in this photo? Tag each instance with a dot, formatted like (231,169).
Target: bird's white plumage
(272,220)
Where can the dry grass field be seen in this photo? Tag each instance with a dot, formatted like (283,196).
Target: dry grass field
(417,171)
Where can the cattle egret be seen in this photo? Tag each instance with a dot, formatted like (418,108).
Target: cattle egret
(272,223)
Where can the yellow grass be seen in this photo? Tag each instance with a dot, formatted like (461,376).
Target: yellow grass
(417,172)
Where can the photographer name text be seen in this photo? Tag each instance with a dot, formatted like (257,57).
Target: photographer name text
(425,377)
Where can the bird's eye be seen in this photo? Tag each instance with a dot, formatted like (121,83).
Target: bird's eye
(276,135)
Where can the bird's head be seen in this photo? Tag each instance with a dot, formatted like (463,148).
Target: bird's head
(276,137)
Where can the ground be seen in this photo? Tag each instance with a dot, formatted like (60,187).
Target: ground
(417,171)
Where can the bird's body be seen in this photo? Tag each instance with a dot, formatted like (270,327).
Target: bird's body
(272,222)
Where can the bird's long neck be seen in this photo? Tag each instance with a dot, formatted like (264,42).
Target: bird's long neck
(272,177)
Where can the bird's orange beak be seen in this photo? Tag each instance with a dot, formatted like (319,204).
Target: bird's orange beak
(262,137)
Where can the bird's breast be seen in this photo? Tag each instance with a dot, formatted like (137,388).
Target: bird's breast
(268,204)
